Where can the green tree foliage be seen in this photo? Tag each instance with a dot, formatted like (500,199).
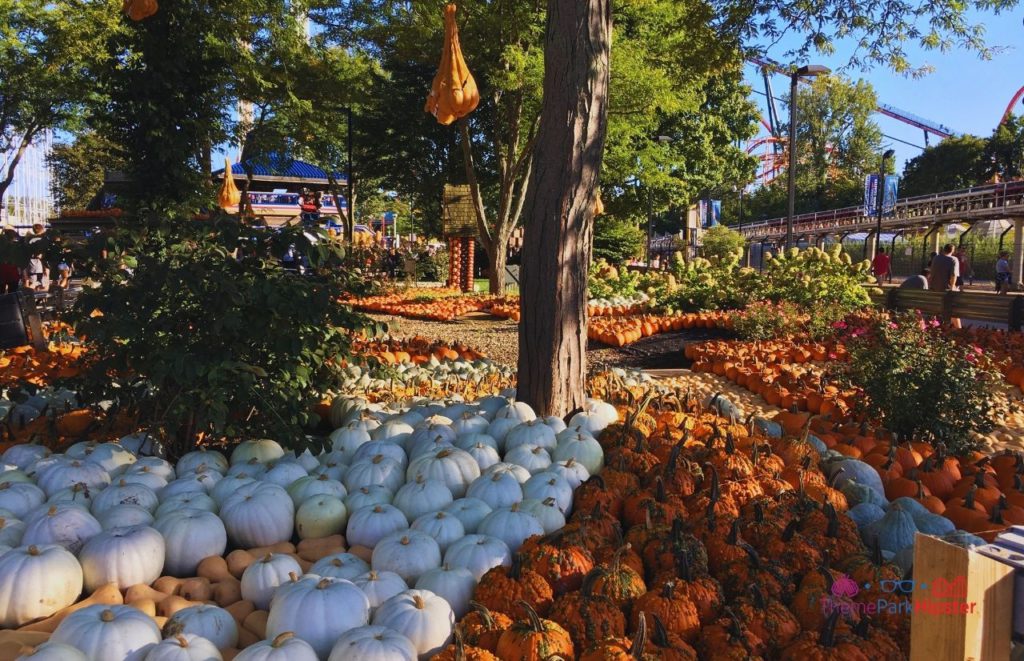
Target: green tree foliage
(207,333)
(78,168)
(1004,153)
(956,162)
(617,241)
(722,242)
(49,55)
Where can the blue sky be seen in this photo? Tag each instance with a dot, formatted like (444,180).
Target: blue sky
(963,92)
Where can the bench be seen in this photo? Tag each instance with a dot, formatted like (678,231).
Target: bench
(978,306)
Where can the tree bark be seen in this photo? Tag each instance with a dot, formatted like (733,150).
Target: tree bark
(12,164)
(559,206)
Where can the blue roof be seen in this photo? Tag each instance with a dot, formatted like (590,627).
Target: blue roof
(281,167)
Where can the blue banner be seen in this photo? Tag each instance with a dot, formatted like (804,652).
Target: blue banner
(710,213)
(871,182)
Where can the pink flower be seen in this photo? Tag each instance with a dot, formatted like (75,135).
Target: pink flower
(839,324)
(893,324)
(934,323)
(978,350)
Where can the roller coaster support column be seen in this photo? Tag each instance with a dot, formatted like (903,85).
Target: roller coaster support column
(1017,260)
(931,240)
(870,245)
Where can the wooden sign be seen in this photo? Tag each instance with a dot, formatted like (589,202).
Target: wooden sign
(458,216)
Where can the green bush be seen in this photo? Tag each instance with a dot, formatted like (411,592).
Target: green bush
(764,320)
(617,241)
(208,334)
(921,384)
(722,242)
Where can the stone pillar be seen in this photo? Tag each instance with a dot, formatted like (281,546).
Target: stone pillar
(870,245)
(1017,258)
(934,241)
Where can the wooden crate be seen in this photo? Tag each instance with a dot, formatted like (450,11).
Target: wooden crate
(979,592)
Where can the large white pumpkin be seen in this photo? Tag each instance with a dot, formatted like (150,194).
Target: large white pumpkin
(396,431)
(421,616)
(470,511)
(497,489)
(478,553)
(12,531)
(263,451)
(261,518)
(427,445)
(408,553)
(422,496)
(573,471)
(320,516)
(534,432)
(122,516)
(68,525)
(252,468)
(318,610)
(126,556)
(37,581)
(470,423)
(154,465)
(189,536)
(24,454)
(50,651)
(228,486)
(109,456)
(193,460)
(194,500)
(511,525)
(347,439)
(306,487)
(450,465)
(146,476)
(373,643)
(583,448)
(69,472)
(211,622)
(533,458)
(340,565)
(556,423)
(519,411)
(284,472)
(124,493)
(546,511)
(105,633)
(283,647)
(454,584)
(370,524)
(377,470)
(373,494)
(515,470)
(20,498)
(263,577)
(550,485)
(444,527)
(184,647)
(78,495)
(391,450)
(379,586)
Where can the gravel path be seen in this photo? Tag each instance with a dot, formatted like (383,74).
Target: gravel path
(498,339)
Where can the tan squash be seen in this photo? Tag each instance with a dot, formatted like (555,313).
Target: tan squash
(227,592)
(214,568)
(196,589)
(167,584)
(256,622)
(13,643)
(106,595)
(246,638)
(240,610)
(173,604)
(238,561)
(147,606)
(143,591)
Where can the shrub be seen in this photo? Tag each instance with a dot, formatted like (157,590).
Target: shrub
(208,335)
(722,242)
(767,321)
(921,384)
(617,241)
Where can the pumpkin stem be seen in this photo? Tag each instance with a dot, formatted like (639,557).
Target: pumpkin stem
(660,635)
(683,566)
(668,589)
(516,570)
(828,632)
(734,533)
(484,613)
(997,513)
(536,626)
(182,640)
(636,650)
(969,497)
(757,596)
(282,638)
(790,530)
(460,646)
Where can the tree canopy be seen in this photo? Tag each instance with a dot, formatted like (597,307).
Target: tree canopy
(954,163)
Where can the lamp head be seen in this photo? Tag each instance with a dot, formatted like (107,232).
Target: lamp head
(813,70)
(889,153)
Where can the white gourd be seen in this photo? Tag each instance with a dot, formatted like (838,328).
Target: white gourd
(189,536)
(65,524)
(263,517)
(263,577)
(211,622)
(35,582)
(444,527)
(470,512)
(379,586)
(283,647)
(421,616)
(511,525)
(126,556)
(184,647)
(408,553)
(263,450)
(105,633)
(478,553)
(321,516)
(370,524)
(422,496)
(372,643)
(318,610)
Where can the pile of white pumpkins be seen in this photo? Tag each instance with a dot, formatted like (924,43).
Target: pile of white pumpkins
(397,521)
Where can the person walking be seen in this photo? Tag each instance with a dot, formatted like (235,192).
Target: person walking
(1003,273)
(965,267)
(881,265)
(945,272)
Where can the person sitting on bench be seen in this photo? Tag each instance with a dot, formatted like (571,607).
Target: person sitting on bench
(917,281)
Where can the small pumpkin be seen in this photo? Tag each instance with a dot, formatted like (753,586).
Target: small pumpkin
(534,639)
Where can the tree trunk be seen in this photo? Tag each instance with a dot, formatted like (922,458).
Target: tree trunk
(560,206)
(496,281)
(14,160)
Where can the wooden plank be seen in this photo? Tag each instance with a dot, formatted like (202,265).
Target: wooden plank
(978,593)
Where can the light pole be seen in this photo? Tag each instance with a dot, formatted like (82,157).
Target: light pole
(881,200)
(805,71)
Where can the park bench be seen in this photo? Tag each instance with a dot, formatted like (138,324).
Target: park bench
(976,306)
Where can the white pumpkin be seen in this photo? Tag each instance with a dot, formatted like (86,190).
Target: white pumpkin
(126,556)
(421,616)
(517,471)
(12,531)
(331,470)
(52,652)
(284,472)
(379,586)
(491,404)
(340,565)
(24,455)
(377,470)
(124,493)
(263,517)
(453,584)
(65,524)
(122,516)
(193,500)
(546,511)
(373,494)
(367,526)
(146,477)
(469,511)
(306,487)
(347,439)
(318,610)
(211,622)
(511,525)
(189,536)
(498,489)
(263,450)
(307,460)
(556,423)
(372,643)
(396,431)
(408,553)
(519,411)
(391,450)
(190,483)
(142,443)
(253,468)
(320,516)
(37,581)
(416,447)
(603,411)
(332,457)
(478,553)
(109,456)
(228,485)
(67,473)
(533,458)
(452,466)
(484,455)
(283,647)
(78,495)
(444,527)
(534,432)
(104,633)
(499,429)
(466,441)
(193,460)
(592,423)
(422,496)
(470,423)
(263,577)
(550,485)
(20,498)
(584,449)
(184,647)
(573,471)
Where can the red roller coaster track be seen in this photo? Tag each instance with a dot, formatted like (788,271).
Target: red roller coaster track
(1009,109)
